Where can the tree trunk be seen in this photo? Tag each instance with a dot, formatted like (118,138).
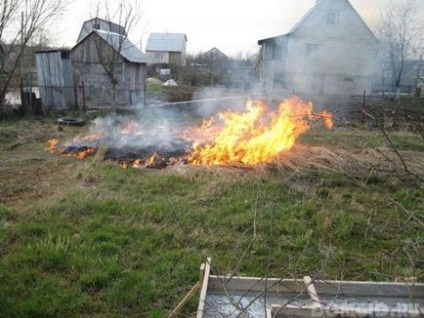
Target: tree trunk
(397,96)
(114,106)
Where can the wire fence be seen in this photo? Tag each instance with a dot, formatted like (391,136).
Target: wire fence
(85,97)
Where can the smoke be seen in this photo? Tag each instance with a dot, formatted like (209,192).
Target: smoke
(209,101)
(153,128)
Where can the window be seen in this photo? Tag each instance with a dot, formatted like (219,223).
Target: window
(159,56)
(65,55)
(312,50)
(333,17)
(96,26)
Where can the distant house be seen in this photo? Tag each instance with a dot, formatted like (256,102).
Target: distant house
(167,48)
(214,54)
(330,51)
(109,70)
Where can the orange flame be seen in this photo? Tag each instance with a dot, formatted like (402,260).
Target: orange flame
(52,145)
(91,137)
(209,128)
(258,135)
(131,128)
(84,153)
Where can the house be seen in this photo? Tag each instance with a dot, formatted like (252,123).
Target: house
(54,73)
(330,51)
(214,54)
(167,48)
(109,70)
(216,62)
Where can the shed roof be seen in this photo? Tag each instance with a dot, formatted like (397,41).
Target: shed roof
(100,24)
(121,44)
(166,42)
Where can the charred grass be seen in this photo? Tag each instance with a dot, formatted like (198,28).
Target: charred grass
(88,238)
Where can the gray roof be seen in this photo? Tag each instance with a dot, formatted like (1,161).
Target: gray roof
(166,42)
(124,46)
(319,3)
(100,24)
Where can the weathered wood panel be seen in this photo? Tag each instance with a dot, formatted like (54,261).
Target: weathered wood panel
(175,58)
(54,72)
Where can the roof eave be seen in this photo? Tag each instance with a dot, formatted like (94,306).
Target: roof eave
(260,42)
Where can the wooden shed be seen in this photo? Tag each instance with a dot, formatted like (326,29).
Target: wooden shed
(109,70)
(54,72)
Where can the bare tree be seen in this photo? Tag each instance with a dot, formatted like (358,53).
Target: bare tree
(110,56)
(401,37)
(19,21)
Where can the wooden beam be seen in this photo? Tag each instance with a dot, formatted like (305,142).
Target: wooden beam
(192,291)
(310,289)
(204,288)
(185,300)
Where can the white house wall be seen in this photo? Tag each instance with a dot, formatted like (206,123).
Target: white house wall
(322,58)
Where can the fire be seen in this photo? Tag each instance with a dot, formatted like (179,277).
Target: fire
(257,135)
(137,163)
(52,145)
(209,128)
(90,137)
(84,153)
(131,128)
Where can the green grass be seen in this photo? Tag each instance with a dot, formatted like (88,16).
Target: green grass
(111,242)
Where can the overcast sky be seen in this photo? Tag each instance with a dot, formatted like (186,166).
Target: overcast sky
(232,26)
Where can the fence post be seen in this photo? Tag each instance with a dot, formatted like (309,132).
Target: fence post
(84,106)
(75,89)
(363,108)
(30,95)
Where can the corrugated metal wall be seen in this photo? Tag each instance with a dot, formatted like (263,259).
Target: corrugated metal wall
(54,72)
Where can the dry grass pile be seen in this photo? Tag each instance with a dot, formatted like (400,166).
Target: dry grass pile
(360,163)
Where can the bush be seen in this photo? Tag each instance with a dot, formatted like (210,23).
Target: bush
(179,94)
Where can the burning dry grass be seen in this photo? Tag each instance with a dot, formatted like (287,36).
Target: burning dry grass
(252,137)
(87,238)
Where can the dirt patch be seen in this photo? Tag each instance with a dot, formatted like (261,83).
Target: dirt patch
(28,173)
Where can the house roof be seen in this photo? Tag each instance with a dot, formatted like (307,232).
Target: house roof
(216,52)
(52,51)
(121,44)
(317,5)
(297,26)
(166,42)
(273,38)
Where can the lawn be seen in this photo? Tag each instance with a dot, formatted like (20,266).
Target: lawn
(87,238)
